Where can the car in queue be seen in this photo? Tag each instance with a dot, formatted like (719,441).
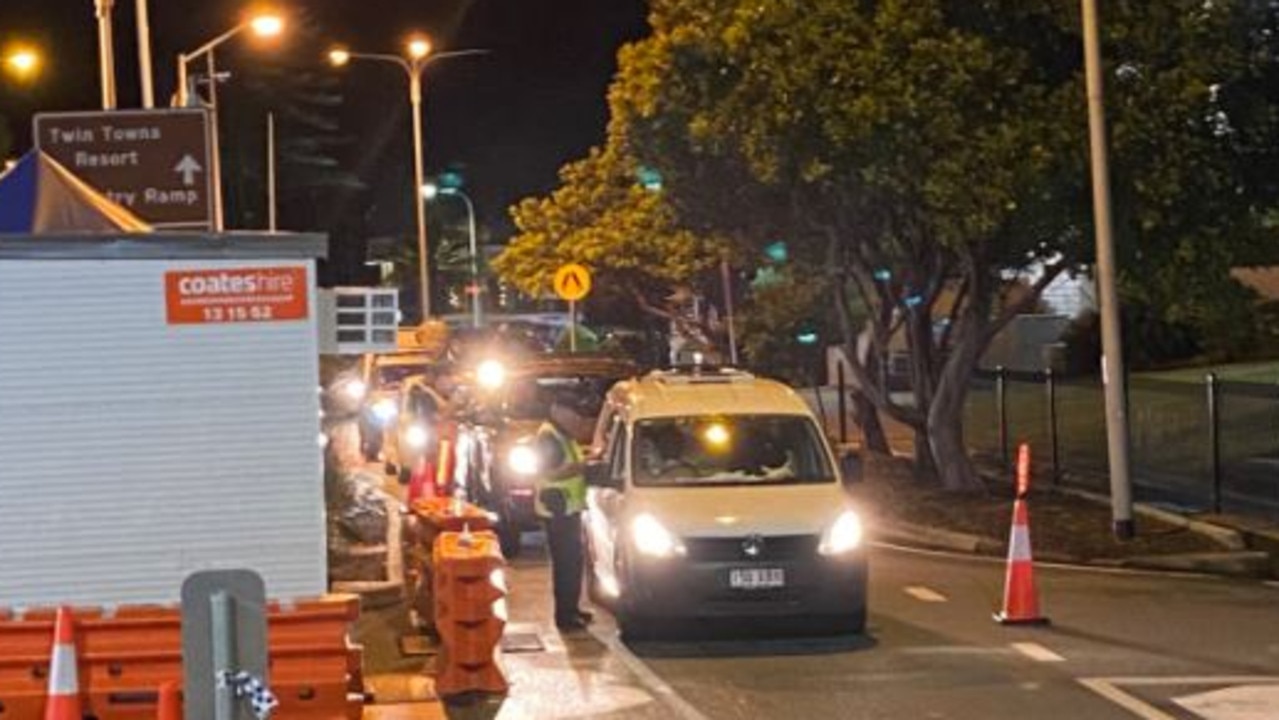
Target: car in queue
(714,495)
(381,378)
(510,407)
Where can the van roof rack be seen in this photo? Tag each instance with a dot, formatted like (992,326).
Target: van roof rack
(689,374)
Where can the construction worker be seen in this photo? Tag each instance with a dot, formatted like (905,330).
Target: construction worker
(560,500)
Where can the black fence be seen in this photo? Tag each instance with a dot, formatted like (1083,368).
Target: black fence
(1211,445)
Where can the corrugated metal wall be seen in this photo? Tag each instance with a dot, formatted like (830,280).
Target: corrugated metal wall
(133,452)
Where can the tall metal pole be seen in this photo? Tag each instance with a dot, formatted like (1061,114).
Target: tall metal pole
(727,278)
(419,179)
(144,55)
(476,307)
(1112,364)
(215,144)
(106,52)
(184,90)
(270,173)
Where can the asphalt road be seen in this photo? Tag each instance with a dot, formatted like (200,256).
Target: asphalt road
(1121,645)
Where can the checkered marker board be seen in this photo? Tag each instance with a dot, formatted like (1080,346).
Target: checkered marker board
(246,686)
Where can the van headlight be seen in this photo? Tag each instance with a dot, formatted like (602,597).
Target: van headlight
(653,539)
(523,461)
(385,410)
(843,536)
(416,437)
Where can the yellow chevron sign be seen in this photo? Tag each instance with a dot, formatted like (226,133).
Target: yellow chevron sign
(572,282)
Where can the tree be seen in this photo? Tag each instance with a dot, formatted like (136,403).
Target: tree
(923,149)
(603,217)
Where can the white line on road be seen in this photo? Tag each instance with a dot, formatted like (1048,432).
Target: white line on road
(1036,652)
(925,594)
(649,679)
(1108,687)
(1137,707)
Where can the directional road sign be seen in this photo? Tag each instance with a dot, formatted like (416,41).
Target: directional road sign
(155,163)
(572,282)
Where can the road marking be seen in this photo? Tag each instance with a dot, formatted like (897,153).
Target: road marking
(1140,708)
(925,594)
(953,650)
(1036,652)
(649,679)
(1108,687)
(1240,702)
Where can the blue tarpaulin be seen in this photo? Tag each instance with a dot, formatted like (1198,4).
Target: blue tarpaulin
(38,195)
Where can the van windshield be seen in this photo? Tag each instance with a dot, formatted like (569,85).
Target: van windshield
(729,450)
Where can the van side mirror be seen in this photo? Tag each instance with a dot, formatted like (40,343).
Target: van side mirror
(850,467)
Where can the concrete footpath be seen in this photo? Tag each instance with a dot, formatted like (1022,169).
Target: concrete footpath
(552,676)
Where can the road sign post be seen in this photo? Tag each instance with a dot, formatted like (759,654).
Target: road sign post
(154,163)
(224,630)
(572,283)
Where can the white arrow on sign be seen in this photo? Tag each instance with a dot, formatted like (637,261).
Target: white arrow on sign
(187,167)
(1242,702)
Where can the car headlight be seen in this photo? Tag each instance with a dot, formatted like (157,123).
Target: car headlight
(354,390)
(652,538)
(490,374)
(416,437)
(845,535)
(384,410)
(523,460)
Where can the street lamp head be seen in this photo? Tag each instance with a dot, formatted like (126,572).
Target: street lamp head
(339,57)
(22,62)
(430,191)
(267,25)
(419,47)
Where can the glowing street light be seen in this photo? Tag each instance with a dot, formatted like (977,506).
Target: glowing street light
(22,62)
(339,57)
(419,48)
(418,56)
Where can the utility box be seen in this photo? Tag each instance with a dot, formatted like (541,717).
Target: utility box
(158,415)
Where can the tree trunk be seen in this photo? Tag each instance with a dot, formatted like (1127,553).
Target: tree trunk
(925,466)
(946,440)
(867,417)
(946,411)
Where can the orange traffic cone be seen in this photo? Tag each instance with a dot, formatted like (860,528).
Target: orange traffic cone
(170,705)
(1021,600)
(64,682)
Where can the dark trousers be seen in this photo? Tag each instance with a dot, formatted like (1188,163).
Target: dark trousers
(564,538)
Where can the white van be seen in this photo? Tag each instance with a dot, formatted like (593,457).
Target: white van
(714,494)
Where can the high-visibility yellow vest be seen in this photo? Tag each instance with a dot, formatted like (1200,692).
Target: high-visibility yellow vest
(574,488)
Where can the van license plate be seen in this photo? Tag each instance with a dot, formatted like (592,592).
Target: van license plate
(756,578)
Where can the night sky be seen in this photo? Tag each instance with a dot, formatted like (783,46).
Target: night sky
(510,119)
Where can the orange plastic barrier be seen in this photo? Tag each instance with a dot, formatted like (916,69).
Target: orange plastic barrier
(469,592)
(126,657)
(434,516)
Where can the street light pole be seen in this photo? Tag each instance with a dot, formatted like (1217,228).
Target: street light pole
(419,179)
(263,26)
(144,55)
(106,52)
(1112,367)
(419,57)
(429,191)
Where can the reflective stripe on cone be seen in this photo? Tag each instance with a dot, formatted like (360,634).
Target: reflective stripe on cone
(64,679)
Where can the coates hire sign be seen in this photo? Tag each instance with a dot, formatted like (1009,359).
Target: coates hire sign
(235,295)
(155,163)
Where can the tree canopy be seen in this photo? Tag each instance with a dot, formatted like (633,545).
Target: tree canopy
(931,157)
